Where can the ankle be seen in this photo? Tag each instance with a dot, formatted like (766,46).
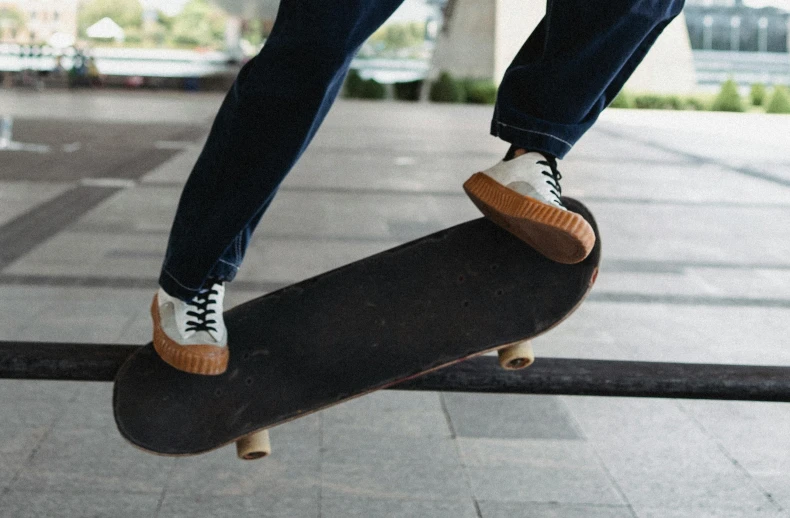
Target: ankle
(515,152)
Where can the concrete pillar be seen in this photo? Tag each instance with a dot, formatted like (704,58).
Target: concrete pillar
(669,66)
(481,37)
(233,36)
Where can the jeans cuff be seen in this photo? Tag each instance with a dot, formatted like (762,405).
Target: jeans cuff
(531,139)
(174,288)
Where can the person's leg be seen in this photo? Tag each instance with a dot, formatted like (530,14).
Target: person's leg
(567,72)
(572,67)
(265,123)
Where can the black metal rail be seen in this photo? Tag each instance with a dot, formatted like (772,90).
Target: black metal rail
(99,362)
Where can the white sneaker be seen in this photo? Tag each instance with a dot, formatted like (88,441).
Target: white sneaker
(523,196)
(191,336)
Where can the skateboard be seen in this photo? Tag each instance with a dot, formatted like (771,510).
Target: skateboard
(432,302)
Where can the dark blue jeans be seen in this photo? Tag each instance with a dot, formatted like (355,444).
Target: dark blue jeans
(567,72)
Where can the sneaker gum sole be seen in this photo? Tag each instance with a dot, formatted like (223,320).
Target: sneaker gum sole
(562,236)
(209,360)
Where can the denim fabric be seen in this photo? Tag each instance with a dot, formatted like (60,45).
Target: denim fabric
(572,66)
(567,72)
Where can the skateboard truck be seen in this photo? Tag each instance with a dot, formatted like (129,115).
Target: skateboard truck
(518,355)
(254,446)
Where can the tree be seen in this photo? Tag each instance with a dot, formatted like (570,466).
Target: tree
(126,13)
(393,36)
(11,18)
(200,24)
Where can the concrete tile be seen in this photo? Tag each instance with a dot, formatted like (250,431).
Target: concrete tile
(544,484)
(344,446)
(382,173)
(20,391)
(269,504)
(777,487)
(510,416)
(384,480)
(361,507)
(753,433)
(74,460)
(92,408)
(96,503)
(84,315)
(297,442)
(220,473)
(24,425)
(92,254)
(661,458)
(711,512)
(551,510)
(527,453)
(16,198)
(176,169)
(405,414)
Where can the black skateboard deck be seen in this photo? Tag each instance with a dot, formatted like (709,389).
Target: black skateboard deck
(373,323)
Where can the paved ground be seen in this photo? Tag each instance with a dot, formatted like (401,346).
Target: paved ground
(693,209)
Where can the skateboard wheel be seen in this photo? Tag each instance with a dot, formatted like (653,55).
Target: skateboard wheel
(516,356)
(255,446)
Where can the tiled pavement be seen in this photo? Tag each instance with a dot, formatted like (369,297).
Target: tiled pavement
(693,209)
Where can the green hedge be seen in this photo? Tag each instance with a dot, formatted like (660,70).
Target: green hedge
(479,91)
(353,84)
(358,88)
(780,101)
(622,100)
(446,89)
(757,94)
(409,91)
(728,100)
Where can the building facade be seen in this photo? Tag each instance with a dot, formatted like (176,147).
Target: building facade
(737,28)
(40,19)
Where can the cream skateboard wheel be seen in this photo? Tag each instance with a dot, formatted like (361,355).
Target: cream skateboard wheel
(516,356)
(254,446)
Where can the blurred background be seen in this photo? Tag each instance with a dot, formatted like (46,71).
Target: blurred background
(716,46)
(104,108)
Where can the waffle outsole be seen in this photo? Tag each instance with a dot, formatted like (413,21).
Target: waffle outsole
(208,360)
(562,236)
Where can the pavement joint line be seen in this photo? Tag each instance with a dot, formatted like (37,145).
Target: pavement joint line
(682,406)
(688,300)
(109,183)
(746,171)
(374,191)
(601,462)
(263,287)
(23,233)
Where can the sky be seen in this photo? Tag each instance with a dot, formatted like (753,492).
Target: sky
(417,10)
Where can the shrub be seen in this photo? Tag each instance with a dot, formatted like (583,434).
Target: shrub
(446,90)
(372,89)
(757,94)
(622,100)
(353,85)
(480,91)
(780,101)
(408,91)
(728,100)
(694,103)
(658,102)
